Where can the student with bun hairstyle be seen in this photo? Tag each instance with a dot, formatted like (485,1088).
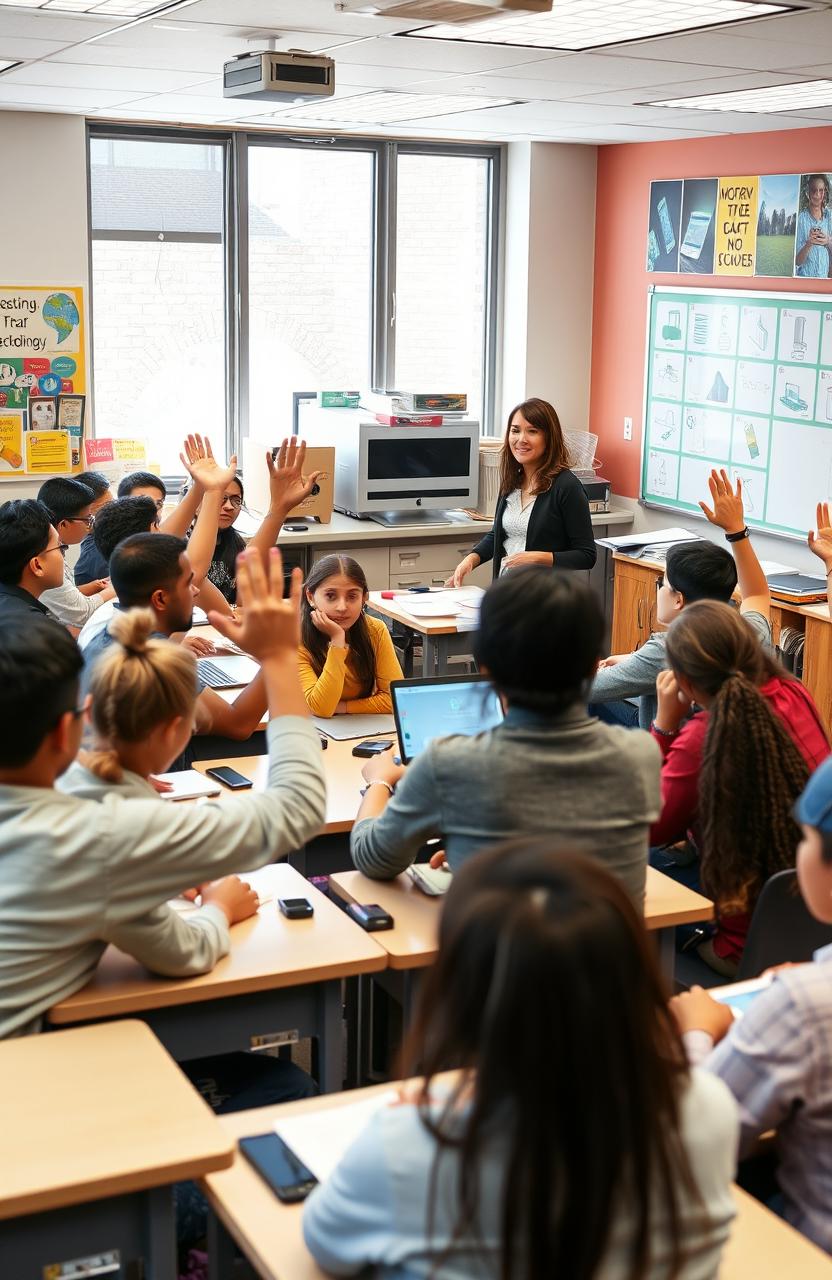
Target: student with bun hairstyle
(733,771)
(347,659)
(549,768)
(572,1140)
(542,514)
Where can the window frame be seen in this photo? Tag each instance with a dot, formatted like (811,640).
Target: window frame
(235,144)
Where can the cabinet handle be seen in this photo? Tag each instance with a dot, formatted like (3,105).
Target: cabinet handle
(638,613)
(650,619)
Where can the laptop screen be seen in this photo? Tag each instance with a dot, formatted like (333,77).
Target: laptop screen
(428,709)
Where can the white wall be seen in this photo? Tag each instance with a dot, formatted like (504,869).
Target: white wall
(549,261)
(44,234)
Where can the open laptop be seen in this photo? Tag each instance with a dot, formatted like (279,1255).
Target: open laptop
(433,708)
(227,673)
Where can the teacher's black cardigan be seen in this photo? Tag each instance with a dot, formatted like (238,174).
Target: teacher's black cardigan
(560,522)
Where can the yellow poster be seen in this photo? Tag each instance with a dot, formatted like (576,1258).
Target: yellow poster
(11,441)
(125,450)
(48,452)
(42,351)
(736,226)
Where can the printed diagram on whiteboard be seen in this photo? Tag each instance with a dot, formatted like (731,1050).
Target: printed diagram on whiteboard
(739,379)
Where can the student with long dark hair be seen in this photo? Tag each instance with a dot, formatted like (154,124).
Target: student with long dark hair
(542,514)
(573,1140)
(549,767)
(733,771)
(347,659)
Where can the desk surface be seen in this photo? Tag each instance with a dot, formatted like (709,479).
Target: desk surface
(267,952)
(343,780)
(95,1112)
(396,610)
(412,942)
(762,1246)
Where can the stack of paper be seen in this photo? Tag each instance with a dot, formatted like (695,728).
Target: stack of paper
(633,542)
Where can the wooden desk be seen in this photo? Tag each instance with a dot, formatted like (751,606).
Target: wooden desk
(441,637)
(412,943)
(96,1124)
(280,982)
(761,1247)
(634,618)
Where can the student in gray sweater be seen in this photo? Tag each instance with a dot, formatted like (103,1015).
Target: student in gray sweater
(80,873)
(548,768)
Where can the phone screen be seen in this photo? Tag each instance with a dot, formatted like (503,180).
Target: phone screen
(231,778)
(278,1165)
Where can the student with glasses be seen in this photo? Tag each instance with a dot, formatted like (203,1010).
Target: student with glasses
(69,503)
(31,559)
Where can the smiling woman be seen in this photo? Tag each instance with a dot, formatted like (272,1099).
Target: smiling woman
(542,514)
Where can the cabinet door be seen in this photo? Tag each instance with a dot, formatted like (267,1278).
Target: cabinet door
(634,605)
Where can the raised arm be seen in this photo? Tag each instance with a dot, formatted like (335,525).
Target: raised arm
(212,478)
(288,486)
(182,517)
(728,514)
(821,544)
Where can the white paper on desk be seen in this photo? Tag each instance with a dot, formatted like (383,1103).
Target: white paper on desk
(343,728)
(770,567)
(320,1138)
(438,606)
(631,541)
(188,783)
(261,881)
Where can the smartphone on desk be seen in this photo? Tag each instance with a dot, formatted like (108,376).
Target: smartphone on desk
(230,777)
(370,916)
(278,1165)
(296,908)
(370,747)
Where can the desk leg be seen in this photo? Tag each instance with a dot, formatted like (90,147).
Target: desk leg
(331,1037)
(160,1227)
(442,648)
(429,656)
(221,1250)
(666,942)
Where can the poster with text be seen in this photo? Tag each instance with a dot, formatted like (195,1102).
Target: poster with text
(736,226)
(42,354)
(47,452)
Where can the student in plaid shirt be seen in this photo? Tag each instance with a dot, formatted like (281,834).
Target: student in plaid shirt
(777,1060)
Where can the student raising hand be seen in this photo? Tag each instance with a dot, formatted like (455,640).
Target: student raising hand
(821,542)
(201,465)
(727,513)
(287,484)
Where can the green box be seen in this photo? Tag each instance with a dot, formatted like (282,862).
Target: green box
(339,399)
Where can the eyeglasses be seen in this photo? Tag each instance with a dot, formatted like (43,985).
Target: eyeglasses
(89,521)
(63,547)
(232,500)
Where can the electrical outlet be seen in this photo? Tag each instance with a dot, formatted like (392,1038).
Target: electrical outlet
(628,428)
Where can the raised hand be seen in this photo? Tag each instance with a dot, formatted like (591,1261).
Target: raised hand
(821,542)
(198,460)
(288,485)
(727,513)
(270,625)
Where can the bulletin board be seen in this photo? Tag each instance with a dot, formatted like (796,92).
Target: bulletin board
(741,380)
(43,403)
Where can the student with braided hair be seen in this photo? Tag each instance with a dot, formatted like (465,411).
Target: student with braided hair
(733,771)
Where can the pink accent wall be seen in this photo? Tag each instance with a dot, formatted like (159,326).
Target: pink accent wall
(619,314)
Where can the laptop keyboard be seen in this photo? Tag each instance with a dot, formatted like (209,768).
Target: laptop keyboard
(212,676)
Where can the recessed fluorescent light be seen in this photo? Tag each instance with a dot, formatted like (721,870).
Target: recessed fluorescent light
(168,26)
(388,107)
(775,100)
(6,64)
(100,8)
(577,24)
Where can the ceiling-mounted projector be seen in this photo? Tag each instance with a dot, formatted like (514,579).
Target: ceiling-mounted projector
(292,76)
(443,11)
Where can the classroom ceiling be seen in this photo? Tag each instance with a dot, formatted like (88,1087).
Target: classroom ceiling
(165,67)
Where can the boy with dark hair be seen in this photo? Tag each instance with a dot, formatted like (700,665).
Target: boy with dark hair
(69,503)
(776,1059)
(693,571)
(79,873)
(120,520)
(90,569)
(143,484)
(152,570)
(31,560)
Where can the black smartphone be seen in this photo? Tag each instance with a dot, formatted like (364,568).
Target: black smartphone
(324,742)
(369,747)
(370,916)
(296,908)
(278,1165)
(230,777)
(296,528)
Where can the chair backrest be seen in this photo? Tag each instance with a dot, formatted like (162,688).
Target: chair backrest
(782,928)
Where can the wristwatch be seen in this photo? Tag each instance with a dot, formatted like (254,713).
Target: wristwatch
(378,782)
(738,537)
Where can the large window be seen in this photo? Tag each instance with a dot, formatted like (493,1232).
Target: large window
(230,270)
(159,289)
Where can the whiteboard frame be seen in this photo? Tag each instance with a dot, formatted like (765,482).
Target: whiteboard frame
(713,292)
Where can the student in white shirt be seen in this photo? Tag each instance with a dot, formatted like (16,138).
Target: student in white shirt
(574,1142)
(69,503)
(77,873)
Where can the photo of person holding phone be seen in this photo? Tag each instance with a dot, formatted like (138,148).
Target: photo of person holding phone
(814,227)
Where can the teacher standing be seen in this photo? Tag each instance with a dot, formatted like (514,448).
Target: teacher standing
(542,514)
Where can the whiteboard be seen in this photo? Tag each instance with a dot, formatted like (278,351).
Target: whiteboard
(741,380)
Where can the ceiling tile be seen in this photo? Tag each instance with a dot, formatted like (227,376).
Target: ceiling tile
(72,99)
(79,75)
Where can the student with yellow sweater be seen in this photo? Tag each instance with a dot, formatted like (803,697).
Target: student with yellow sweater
(347,660)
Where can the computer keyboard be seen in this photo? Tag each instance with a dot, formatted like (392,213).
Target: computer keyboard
(211,675)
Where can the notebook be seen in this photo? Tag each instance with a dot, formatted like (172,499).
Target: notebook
(434,708)
(188,783)
(344,728)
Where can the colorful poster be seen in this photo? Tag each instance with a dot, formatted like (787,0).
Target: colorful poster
(813,241)
(116,456)
(11,441)
(663,230)
(696,252)
(47,452)
(736,226)
(42,353)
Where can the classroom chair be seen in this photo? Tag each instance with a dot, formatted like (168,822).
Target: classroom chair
(782,928)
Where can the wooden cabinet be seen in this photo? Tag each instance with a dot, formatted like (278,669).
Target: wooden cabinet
(634,604)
